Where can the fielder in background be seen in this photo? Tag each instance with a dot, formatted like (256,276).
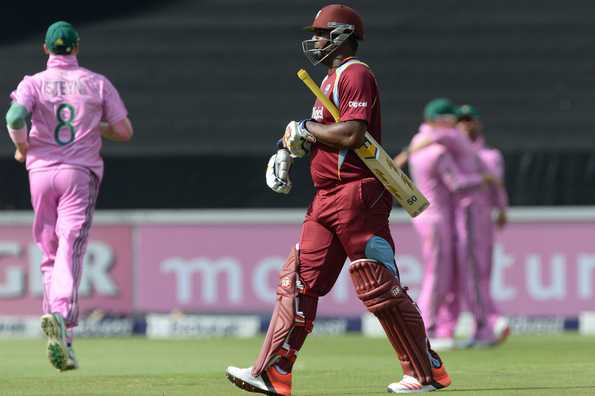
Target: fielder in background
(347,218)
(439,178)
(496,328)
(71,108)
(470,218)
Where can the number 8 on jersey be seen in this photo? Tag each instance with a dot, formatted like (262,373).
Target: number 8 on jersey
(65,116)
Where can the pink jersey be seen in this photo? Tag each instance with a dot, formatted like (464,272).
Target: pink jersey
(458,146)
(495,196)
(67,103)
(437,176)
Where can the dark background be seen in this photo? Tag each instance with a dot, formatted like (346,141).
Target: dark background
(210,85)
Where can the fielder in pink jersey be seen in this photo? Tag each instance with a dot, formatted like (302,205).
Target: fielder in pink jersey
(468,218)
(495,329)
(348,218)
(71,108)
(438,177)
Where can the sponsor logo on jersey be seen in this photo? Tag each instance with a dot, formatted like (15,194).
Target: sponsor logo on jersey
(317,113)
(353,103)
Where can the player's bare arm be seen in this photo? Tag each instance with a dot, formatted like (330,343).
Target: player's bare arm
(403,157)
(347,134)
(120,131)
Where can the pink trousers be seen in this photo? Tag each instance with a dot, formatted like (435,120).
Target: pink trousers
(63,200)
(474,248)
(438,253)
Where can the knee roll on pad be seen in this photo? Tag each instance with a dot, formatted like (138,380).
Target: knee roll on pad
(378,249)
(382,294)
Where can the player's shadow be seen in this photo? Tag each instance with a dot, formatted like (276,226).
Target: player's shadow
(520,388)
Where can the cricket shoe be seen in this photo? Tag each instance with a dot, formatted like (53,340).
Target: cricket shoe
(53,327)
(501,331)
(71,362)
(409,384)
(270,382)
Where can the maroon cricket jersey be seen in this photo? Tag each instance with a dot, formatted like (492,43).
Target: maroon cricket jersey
(353,88)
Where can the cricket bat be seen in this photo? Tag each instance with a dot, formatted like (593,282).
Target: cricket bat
(377,160)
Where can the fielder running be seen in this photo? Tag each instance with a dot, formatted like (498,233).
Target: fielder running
(71,108)
(347,218)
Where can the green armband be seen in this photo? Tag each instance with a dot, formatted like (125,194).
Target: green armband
(16,116)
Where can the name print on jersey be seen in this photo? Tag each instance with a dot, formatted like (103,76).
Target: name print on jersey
(63,87)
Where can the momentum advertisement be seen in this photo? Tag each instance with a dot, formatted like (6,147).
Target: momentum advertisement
(222,262)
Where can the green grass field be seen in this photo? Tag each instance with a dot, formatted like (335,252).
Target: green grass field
(346,365)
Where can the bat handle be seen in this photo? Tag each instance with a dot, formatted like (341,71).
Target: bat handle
(303,75)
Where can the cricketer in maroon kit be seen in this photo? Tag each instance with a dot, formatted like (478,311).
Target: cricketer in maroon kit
(348,218)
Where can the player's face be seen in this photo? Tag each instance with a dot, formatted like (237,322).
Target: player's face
(322,38)
(470,127)
(317,48)
(446,121)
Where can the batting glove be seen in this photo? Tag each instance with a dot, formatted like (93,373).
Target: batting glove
(297,139)
(277,175)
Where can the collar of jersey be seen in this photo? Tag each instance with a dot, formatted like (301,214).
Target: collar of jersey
(332,69)
(62,61)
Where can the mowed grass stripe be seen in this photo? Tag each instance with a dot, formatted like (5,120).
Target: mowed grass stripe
(341,365)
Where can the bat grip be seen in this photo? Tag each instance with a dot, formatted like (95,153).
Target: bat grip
(326,102)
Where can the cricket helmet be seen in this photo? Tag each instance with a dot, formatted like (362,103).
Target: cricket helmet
(341,21)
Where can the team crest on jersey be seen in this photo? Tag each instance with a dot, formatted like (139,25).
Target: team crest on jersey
(285,283)
(317,113)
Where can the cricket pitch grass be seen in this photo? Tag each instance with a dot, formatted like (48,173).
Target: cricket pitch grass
(340,365)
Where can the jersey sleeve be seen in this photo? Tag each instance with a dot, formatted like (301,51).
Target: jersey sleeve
(452,142)
(114,109)
(498,164)
(452,177)
(499,194)
(357,94)
(25,94)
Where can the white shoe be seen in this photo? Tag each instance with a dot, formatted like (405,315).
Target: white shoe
(441,344)
(270,382)
(501,332)
(242,377)
(53,327)
(71,362)
(501,329)
(410,385)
